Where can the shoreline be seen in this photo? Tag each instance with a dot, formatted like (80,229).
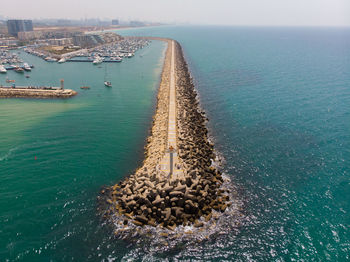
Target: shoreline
(153,197)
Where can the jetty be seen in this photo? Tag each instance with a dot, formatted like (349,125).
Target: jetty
(177,183)
(36,91)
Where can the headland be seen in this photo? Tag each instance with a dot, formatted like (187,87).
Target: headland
(177,183)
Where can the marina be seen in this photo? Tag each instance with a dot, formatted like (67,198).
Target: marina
(9,57)
(10,60)
(109,53)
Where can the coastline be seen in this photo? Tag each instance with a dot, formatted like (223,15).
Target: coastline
(151,196)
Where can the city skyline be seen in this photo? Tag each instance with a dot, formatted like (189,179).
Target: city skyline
(223,12)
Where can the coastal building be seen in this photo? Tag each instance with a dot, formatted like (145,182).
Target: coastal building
(91,40)
(60,41)
(15,26)
(115,22)
(110,37)
(6,42)
(87,40)
(29,35)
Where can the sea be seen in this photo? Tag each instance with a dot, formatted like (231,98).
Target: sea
(278,104)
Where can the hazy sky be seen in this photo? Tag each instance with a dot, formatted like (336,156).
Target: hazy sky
(218,12)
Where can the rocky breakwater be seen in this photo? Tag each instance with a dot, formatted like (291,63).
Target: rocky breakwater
(155,197)
(35,93)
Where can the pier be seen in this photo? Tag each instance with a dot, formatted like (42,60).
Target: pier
(36,91)
(14,87)
(90,61)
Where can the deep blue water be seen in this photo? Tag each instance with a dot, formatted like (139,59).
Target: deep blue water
(278,104)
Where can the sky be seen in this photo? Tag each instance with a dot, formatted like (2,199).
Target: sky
(214,12)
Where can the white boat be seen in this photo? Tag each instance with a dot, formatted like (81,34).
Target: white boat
(27,67)
(62,60)
(115,59)
(2,69)
(108,84)
(97,60)
(50,59)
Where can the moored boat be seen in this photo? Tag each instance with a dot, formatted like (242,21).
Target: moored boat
(62,60)
(2,69)
(115,59)
(97,60)
(19,70)
(50,59)
(27,67)
(85,87)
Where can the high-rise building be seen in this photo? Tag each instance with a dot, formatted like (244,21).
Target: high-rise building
(15,26)
(115,22)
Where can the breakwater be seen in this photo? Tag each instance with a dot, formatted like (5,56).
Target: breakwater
(7,92)
(177,183)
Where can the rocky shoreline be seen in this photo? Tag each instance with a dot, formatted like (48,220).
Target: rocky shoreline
(35,93)
(152,197)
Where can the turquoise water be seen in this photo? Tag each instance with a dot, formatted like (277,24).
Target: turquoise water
(56,154)
(278,103)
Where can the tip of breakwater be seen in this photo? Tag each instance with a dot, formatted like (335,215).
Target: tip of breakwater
(192,202)
(154,239)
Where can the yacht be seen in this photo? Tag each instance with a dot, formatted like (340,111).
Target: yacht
(50,59)
(62,60)
(19,70)
(97,60)
(2,69)
(116,59)
(27,67)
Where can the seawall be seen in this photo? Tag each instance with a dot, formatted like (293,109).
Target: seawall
(35,93)
(185,190)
